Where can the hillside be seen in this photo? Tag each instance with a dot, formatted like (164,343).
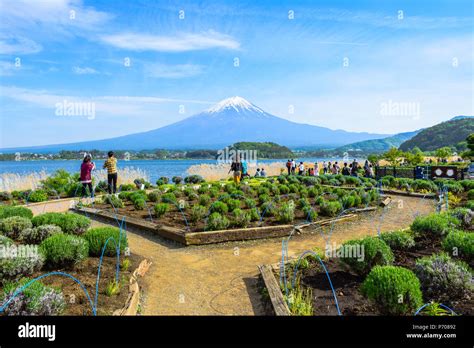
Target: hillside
(230,121)
(378,145)
(447,133)
(264,150)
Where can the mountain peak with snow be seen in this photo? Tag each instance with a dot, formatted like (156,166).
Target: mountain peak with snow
(236,103)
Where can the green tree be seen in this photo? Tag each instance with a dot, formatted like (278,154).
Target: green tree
(469,153)
(373,158)
(444,152)
(393,156)
(414,157)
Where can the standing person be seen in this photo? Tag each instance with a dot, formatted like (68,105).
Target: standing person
(244,169)
(338,168)
(236,167)
(316,169)
(371,171)
(325,167)
(354,168)
(257,173)
(111,165)
(293,166)
(263,173)
(329,167)
(288,166)
(346,170)
(87,167)
(301,169)
(311,171)
(334,169)
(367,168)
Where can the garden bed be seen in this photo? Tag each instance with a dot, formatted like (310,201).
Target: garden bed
(210,237)
(87,274)
(312,283)
(218,212)
(48,260)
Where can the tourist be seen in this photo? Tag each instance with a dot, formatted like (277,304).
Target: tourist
(293,166)
(288,166)
(244,169)
(87,167)
(346,170)
(338,168)
(329,167)
(316,169)
(111,165)
(139,184)
(367,166)
(301,169)
(325,167)
(334,169)
(263,173)
(236,167)
(257,173)
(354,168)
(311,171)
(371,171)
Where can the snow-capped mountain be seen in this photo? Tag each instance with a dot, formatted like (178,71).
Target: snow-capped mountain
(229,121)
(237,104)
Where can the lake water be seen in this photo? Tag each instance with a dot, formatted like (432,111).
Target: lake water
(154,168)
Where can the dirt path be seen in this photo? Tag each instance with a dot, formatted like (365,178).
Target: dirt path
(221,279)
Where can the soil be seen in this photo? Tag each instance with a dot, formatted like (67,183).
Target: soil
(174,217)
(86,272)
(347,284)
(222,279)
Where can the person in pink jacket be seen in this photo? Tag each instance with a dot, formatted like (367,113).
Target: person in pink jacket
(87,167)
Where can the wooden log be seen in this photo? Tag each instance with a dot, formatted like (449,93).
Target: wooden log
(238,234)
(410,194)
(326,222)
(274,292)
(172,233)
(385,202)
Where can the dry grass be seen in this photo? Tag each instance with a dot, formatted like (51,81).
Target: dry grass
(17,182)
(125,175)
(211,172)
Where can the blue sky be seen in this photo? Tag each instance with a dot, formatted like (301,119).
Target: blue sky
(328,63)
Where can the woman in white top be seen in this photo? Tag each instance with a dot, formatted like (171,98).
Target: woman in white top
(301,168)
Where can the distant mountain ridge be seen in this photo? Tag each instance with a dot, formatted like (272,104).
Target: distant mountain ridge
(379,145)
(230,121)
(448,133)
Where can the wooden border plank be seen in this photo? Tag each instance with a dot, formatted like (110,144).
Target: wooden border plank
(164,231)
(274,292)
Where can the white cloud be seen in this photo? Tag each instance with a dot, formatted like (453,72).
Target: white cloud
(23,22)
(54,13)
(173,71)
(176,43)
(106,105)
(84,71)
(18,45)
(6,68)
